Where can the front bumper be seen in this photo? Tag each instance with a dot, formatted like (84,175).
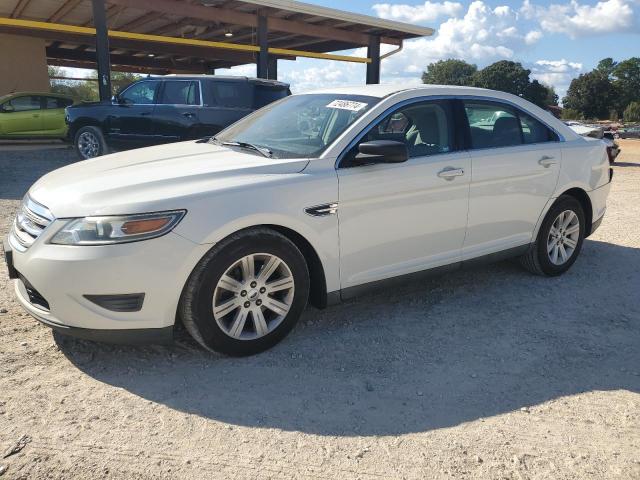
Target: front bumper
(65,275)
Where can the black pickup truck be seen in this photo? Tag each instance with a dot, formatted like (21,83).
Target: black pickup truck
(166,109)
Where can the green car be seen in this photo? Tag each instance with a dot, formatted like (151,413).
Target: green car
(33,115)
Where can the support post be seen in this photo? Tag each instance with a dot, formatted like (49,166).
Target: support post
(373,52)
(263,54)
(102,49)
(273,68)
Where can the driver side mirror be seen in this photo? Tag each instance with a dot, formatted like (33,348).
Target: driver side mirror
(8,108)
(381,151)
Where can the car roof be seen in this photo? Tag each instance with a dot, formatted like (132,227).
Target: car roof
(384,90)
(40,94)
(226,78)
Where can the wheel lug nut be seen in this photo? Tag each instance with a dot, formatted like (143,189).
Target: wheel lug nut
(262,290)
(258,302)
(253,284)
(243,293)
(247,304)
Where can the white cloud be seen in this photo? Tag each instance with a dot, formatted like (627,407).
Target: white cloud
(576,20)
(557,73)
(426,12)
(482,35)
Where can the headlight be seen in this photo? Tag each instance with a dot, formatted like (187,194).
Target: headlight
(117,229)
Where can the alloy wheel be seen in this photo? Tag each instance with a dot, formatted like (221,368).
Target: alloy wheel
(88,145)
(253,296)
(563,237)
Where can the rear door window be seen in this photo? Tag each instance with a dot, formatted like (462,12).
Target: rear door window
(180,92)
(232,94)
(56,102)
(493,125)
(534,131)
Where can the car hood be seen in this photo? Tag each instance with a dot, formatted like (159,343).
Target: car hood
(153,179)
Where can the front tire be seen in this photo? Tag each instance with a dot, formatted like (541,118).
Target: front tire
(559,240)
(246,294)
(89,142)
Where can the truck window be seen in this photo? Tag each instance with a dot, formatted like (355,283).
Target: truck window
(266,94)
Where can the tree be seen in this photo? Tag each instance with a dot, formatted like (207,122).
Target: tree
(449,72)
(632,112)
(606,66)
(627,82)
(541,95)
(571,114)
(592,94)
(506,76)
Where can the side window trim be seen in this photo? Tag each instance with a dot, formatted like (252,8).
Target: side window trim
(391,110)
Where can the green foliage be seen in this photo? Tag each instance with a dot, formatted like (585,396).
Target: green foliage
(505,76)
(626,80)
(632,112)
(449,72)
(571,114)
(87,90)
(592,94)
(606,66)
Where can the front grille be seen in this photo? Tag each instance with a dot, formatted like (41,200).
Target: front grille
(30,222)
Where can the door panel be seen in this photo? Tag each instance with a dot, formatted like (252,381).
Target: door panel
(176,115)
(25,119)
(131,120)
(509,190)
(401,218)
(53,115)
(398,219)
(512,182)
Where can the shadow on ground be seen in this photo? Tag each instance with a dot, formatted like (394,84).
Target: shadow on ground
(434,354)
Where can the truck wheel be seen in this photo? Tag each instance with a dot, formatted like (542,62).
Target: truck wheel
(246,294)
(89,142)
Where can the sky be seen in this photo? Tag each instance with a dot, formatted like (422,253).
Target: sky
(556,39)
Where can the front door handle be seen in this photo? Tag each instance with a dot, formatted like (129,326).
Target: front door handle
(546,161)
(188,115)
(450,173)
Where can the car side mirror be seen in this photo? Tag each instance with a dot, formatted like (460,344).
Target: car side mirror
(8,108)
(114,99)
(381,151)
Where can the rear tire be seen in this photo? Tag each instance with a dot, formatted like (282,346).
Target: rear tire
(559,240)
(89,142)
(246,294)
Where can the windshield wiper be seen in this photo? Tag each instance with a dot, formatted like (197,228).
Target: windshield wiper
(264,151)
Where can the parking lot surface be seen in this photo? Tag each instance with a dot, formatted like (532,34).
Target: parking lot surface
(489,373)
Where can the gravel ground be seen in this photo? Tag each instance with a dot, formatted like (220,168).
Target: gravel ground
(485,374)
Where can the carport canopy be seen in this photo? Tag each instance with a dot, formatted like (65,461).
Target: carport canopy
(198,36)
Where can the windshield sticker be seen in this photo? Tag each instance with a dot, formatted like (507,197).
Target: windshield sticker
(347,105)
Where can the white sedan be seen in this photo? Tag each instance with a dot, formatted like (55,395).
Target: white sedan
(313,199)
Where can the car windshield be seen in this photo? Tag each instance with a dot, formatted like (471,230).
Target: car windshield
(297,126)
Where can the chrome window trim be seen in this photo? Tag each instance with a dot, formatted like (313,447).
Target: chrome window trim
(410,101)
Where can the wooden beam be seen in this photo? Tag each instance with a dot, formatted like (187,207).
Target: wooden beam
(233,17)
(155,63)
(64,9)
(140,21)
(20,7)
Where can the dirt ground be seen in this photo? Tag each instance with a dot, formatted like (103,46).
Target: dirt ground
(489,373)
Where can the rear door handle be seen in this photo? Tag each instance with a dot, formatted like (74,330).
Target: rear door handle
(449,173)
(188,115)
(546,161)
